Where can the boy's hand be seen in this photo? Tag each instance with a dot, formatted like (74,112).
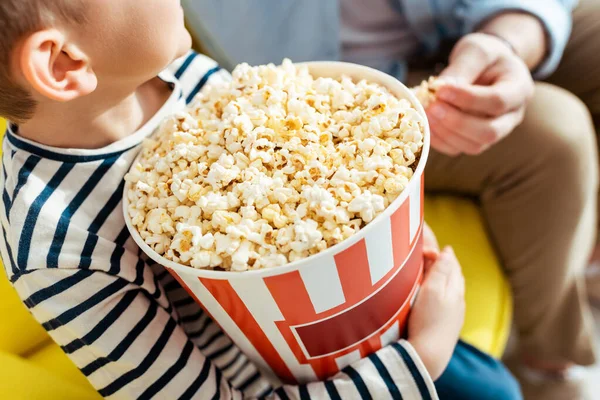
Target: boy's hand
(431,248)
(439,310)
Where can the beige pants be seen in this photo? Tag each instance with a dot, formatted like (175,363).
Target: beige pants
(538,191)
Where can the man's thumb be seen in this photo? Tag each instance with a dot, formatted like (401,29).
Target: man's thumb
(466,63)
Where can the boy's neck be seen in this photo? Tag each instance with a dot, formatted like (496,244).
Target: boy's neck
(97,120)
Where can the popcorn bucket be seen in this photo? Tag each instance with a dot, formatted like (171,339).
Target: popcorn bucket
(309,319)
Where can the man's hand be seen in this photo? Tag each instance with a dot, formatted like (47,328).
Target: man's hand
(487,100)
(439,310)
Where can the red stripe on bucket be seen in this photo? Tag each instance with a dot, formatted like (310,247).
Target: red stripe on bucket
(291,296)
(354,272)
(233,305)
(401,233)
(355,325)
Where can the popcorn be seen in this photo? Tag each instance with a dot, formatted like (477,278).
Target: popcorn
(222,172)
(144,188)
(159,221)
(306,235)
(368,205)
(272,167)
(273,260)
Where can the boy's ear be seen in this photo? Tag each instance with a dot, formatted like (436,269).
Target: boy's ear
(54,68)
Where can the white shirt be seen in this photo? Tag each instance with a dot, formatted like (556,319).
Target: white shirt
(374,31)
(123,320)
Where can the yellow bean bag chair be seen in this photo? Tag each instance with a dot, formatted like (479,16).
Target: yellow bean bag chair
(32,367)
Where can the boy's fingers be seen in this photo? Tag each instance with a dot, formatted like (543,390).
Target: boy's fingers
(456,280)
(429,239)
(435,282)
(430,254)
(444,262)
(429,258)
(440,273)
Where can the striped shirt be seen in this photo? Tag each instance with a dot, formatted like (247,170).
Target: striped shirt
(123,320)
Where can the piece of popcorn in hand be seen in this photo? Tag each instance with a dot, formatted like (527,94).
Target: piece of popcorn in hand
(426,92)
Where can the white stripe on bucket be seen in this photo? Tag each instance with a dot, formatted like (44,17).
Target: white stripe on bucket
(257,297)
(347,359)
(323,284)
(415,212)
(379,250)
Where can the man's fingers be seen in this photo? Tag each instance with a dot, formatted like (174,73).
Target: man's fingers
(481,130)
(493,101)
(468,61)
(443,146)
(460,141)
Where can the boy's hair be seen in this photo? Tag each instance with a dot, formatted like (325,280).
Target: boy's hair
(20,18)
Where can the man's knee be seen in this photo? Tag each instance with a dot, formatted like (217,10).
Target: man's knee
(579,67)
(558,130)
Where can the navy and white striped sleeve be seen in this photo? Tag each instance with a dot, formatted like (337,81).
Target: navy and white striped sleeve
(394,372)
(127,342)
(194,71)
(124,338)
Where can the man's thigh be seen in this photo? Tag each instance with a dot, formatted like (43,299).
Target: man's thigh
(556,130)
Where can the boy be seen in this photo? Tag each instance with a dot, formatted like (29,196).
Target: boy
(81,82)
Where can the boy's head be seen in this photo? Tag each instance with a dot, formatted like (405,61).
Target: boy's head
(60,50)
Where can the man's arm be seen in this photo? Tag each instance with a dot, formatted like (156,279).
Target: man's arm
(501,41)
(455,19)
(529,41)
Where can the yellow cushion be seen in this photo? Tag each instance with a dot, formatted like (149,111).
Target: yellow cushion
(458,222)
(52,358)
(24,380)
(19,332)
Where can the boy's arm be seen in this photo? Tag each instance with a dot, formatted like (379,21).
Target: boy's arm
(124,338)
(129,344)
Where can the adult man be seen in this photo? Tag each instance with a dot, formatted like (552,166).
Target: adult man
(526,151)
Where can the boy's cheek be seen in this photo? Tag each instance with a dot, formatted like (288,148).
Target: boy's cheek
(187,43)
